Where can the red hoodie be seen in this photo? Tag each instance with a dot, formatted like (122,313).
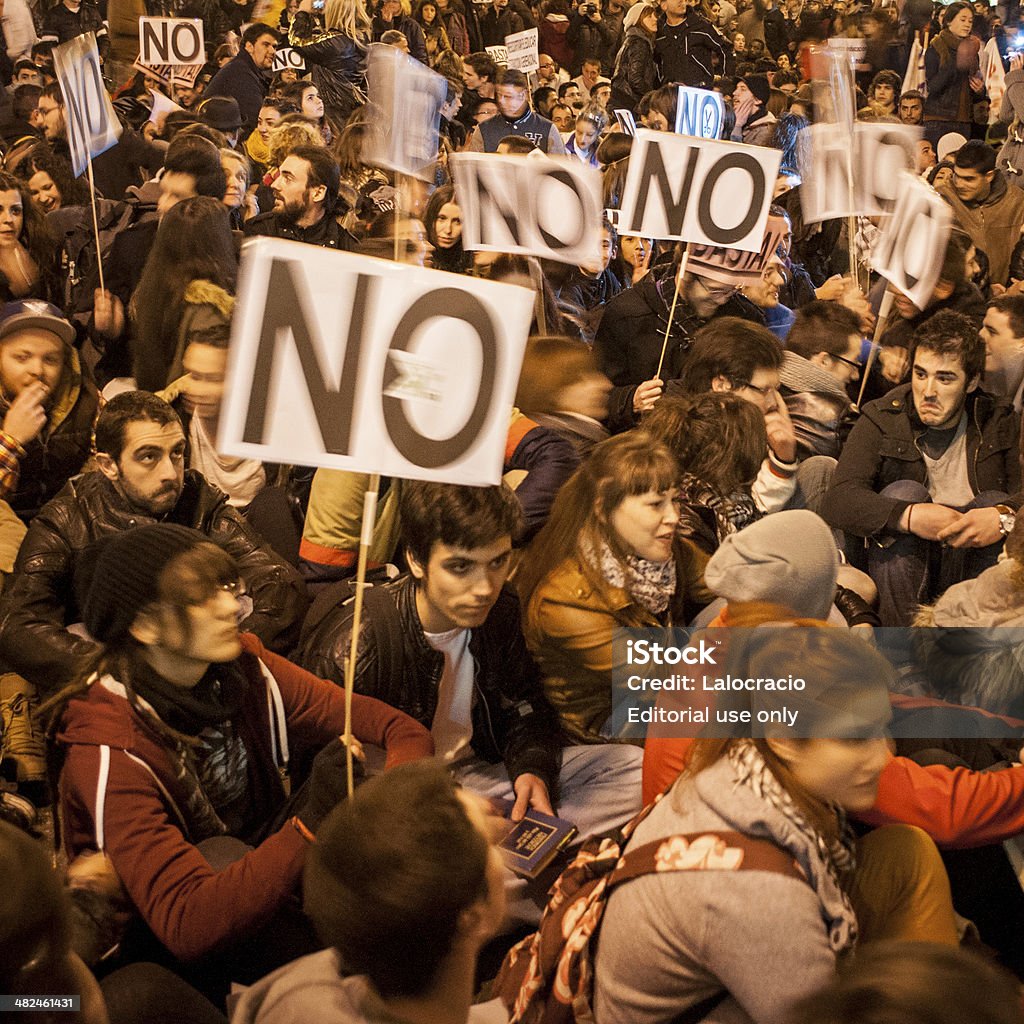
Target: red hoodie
(119,794)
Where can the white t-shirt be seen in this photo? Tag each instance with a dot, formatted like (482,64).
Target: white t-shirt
(452,727)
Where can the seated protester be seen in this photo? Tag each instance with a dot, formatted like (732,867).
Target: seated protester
(140,452)
(712,936)
(916,983)
(305,196)
(985,205)
(583,143)
(117,168)
(28,265)
(589,288)
(538,460)
(719,441)
(609,557)
(763,294)
(47,402)
(177,735)
(561,388)
(822,358)
(515,118)
(732,355)
(952,292)
(196,397)
(1002,331)
(444,643)
(403,911)
(631,336)
(930,475)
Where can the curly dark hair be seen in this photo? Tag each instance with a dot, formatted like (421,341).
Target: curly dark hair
(949,333)
(36,237)
(73,191)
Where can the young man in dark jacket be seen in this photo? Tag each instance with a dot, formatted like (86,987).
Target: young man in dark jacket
(247,77)
(930,475)
(140,451)
(445,645)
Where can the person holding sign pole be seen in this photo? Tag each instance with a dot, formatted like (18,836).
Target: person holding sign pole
(930,475)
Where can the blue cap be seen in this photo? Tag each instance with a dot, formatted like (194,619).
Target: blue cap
(35,313)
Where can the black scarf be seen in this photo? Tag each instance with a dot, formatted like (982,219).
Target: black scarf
(218,696)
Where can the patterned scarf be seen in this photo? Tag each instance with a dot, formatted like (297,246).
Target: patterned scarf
(835,858)
(732,512)
(650,584)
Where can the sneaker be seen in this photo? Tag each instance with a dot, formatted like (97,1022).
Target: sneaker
(21,740)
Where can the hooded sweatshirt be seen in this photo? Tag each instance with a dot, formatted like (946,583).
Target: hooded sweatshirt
(789,558)
(120,793)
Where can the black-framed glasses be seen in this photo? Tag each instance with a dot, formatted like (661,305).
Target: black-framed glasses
(854,364)
(763,392)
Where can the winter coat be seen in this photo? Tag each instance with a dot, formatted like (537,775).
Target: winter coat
(689,52)
(758,131)
(454,21)
(539,130)
(512,721)
(994,223)
(1011,112)
(817,404)
(496,23)
(60,449)
(949,92)
(410,29)
(590,41)
(635,74)
(41,600)
(553,39)
(882,449)
(569,621)
(241,79)
(120,794)
(61,25)
(336,62)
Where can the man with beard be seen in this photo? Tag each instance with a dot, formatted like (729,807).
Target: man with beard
(140,452)
(305,193)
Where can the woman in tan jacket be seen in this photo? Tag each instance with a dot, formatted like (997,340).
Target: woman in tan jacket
(609,557)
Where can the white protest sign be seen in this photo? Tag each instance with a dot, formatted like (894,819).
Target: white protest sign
(733,266)
(499,54)
(360,364)
(548,207)
(910,250)
(171,41)
(92,125)
(287,59)
(853,49)
(162,106)
(626,121)
(699,112)
(698,190)
(522,51)
(405,99)
(168,74)
(876,157)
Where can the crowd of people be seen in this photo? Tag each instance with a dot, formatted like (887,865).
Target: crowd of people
(177,835)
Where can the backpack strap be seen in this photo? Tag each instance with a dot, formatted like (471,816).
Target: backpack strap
(705,851)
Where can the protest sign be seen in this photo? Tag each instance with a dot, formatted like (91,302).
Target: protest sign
(733,266)
(626,121)
(548,207)
(858,174)
(521,51)
(405,100)
(699,112)
(162,106)
(853,49)
(359,364)
(287,59)
(698,190)
(168,74)
(92,125)
(912,245)
(499,54)
(171,41)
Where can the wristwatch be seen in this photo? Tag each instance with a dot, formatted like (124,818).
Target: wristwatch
(1007,519)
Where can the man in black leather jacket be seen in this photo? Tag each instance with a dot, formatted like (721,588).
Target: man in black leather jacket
(141,479)
(445,645)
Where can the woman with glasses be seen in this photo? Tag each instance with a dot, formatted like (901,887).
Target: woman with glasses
(764,294)
(177,738)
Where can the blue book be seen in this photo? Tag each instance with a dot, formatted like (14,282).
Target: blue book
(531,845)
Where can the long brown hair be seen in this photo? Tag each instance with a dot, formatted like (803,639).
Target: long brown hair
(580,520)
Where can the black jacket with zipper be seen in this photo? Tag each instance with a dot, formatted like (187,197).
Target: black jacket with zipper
(882,448)
(512,719)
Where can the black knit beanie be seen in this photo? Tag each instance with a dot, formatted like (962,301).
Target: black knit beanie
(125,569)
(758,85)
